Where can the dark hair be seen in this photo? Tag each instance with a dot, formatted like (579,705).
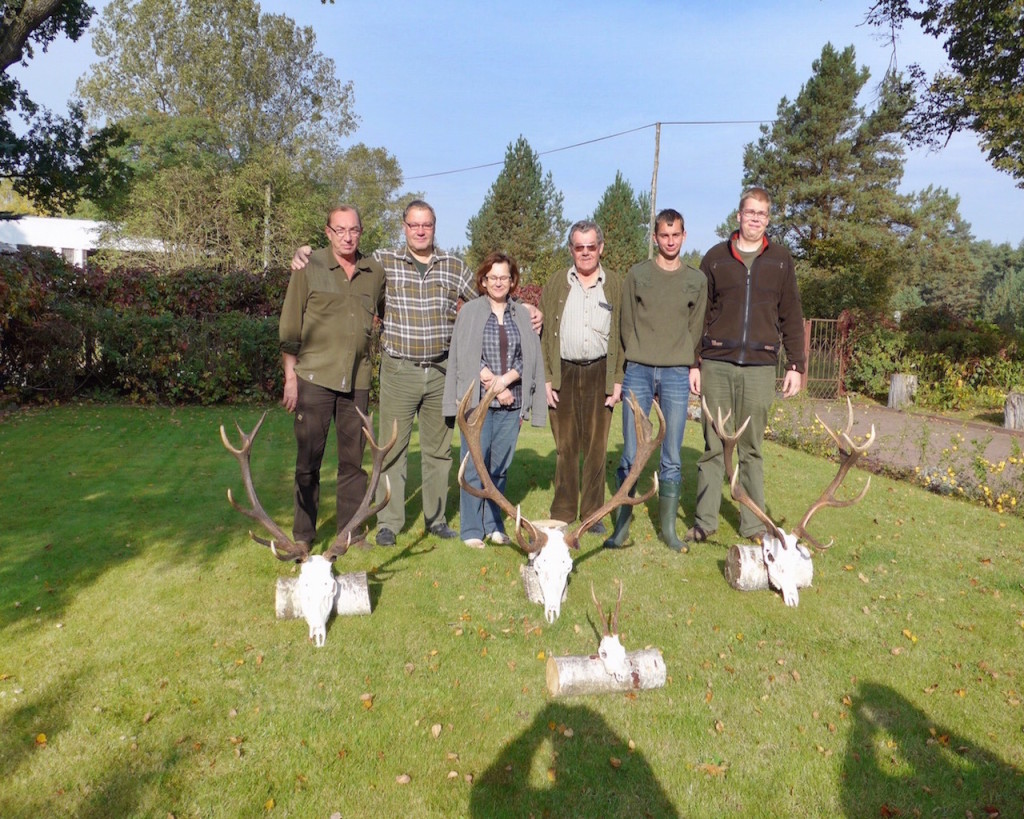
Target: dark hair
(490,260)
(669,216)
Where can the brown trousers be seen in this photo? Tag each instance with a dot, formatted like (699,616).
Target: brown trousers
(580,427)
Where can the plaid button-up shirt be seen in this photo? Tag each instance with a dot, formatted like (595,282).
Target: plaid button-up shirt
(419,308)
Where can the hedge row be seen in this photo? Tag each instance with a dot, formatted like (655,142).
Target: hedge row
(141,335)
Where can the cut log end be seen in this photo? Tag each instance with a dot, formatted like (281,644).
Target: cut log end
(745,569)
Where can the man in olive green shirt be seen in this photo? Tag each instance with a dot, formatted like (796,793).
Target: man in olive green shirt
(326,325)
(662,317)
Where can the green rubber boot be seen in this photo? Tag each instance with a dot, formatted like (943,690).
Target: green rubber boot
(668,507)
(623,515)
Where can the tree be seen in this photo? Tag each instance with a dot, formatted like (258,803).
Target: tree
(624,218)
(257,76)
(833,170)
(937,267)
(983,90)
(235,123)
(53,158)
(521,215)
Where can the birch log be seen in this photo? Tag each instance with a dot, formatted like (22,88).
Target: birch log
(745,569)
(573,675)
(901,390)
(1013,411)
(352,596)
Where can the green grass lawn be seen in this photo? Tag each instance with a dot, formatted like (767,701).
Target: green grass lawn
(142,671)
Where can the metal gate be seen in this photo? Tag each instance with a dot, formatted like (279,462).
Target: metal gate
(824,341)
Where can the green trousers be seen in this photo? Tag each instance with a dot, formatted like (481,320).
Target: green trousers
(407,392)
(749,392)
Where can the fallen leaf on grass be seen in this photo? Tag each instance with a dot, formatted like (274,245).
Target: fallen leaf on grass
(403,779)
(931,689)
(453,774)
(912,637)
(41,740)
(435,730)
(615,762)
(862,578)
(367,700)
(713,768)
(268,805)
(719,726)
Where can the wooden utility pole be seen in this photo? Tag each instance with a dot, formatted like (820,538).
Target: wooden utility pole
(654,190)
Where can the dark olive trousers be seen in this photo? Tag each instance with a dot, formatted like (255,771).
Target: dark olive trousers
(580,427)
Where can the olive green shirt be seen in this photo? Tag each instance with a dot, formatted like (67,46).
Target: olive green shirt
(327,320)
(662,315)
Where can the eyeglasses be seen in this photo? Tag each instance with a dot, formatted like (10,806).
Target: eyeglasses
(420,226)
(581,248)
(755,214)
(498,279)
(340,231)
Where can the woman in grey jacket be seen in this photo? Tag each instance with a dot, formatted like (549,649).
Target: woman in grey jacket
(492,341)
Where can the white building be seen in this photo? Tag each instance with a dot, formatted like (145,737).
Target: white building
(74,239)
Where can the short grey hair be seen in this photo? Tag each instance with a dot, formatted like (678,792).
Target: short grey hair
(584,226)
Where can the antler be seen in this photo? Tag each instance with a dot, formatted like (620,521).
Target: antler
(646,446)
(739,494)
(610,627)
(848,456)
(283,548)
(366,509)
(471,426)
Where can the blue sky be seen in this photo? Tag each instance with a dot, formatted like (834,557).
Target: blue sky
(446,85)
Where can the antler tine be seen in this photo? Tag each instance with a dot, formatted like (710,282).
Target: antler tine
(604,623)
(618,605)
(283,548)
(739,494)
(848,456)
(367,508)
(646,446)
(471,426)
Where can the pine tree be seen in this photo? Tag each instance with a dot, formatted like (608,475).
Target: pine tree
(624,218)
(522,216)
(833,171)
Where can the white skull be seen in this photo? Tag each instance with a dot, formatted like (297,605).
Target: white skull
(613,657)
(782,563)
(317,590)
(552,564)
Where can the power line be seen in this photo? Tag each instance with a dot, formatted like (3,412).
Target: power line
(596,139)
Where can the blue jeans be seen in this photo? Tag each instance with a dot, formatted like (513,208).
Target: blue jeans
(672,386)
(498,444)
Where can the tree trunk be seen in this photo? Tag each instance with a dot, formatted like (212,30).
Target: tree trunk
(352,596)
(745,570)
(902,387)
(569,676)
(1013,412)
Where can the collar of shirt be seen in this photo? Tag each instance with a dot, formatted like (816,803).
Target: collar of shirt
(573,276)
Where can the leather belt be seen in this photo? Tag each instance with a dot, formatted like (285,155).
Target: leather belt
(585,363)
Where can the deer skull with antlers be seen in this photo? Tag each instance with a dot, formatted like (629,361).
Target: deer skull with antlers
(782,551)
(611,651)
(316,586)
(548,548)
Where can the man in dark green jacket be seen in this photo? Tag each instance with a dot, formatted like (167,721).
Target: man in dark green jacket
(753,301)
(583,362)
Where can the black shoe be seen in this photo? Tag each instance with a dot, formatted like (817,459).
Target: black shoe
(697,535)
(385,537)
(598,529)
(443,531)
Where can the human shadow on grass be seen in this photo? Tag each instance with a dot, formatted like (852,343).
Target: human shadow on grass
(569,762)
(901,763)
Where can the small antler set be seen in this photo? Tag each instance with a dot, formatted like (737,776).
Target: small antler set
(782,552)
(282,546)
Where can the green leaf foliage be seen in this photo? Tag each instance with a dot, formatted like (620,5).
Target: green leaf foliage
(624,217)
(522,216)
